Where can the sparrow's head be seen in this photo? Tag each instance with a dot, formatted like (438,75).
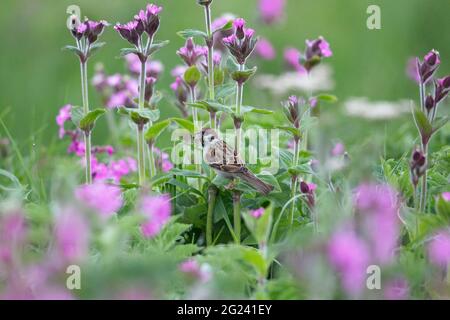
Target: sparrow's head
(206,137)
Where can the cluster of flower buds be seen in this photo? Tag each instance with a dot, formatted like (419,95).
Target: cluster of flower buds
(308,189)
(242,42)
(441,89)
(89,29)
(292,110)
(418,166)
(191,53)
(428,66)
(316,50)
(145,21)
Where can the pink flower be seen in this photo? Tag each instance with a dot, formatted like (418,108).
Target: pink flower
(12,233)
(292,57)
(157,210)
(411,70)
(446,196)
(378,206)
(192,268)
(265,49)
(257,213)
(439,249)
(63,116)
(103,198)
(271,10)
(338,150)
(71,235)
(397,289)
(349,255)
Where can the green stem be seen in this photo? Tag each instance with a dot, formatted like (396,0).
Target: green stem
(87,135)
(151,160)
(294,182)
(237,215)
(210,52)
(87,143)
(423,191)
(140,128)
(239,98)
(212,120)
(212,195)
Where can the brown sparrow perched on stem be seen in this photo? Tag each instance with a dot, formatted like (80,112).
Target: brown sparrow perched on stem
(226,163)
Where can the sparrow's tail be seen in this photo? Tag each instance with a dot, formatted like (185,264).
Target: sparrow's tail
(256,183)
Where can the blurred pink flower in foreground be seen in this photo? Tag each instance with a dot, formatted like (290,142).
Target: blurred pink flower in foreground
(157,210)
(397,289)
(103,198)
(411,70)
(193,269)
(446,196)
(292,57)
(439,249)
(377,205)
(349,255)
(71,235)
(257,213)
(271,11)
(265,50)
(62,117)
(338,150)
(12,234)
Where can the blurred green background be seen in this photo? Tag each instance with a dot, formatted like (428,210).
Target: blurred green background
(36,77)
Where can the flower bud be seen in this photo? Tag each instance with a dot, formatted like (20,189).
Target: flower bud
(149,88)
(429,65)
(429,103)
(204,2)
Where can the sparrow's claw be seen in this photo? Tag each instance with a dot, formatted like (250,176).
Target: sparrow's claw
(232,185)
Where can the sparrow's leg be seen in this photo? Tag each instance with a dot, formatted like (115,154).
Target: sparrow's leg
(232,185)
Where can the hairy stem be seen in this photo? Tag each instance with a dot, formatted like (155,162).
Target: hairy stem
(210,52)
(212,195)
(87,134)
(239,98)
(294,182)
(140,128)
(237,215)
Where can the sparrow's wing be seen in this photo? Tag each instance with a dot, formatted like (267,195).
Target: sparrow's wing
(225,159)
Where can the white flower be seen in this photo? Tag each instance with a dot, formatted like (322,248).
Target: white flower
(376,110)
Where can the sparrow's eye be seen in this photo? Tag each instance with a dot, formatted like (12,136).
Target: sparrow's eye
(211,139)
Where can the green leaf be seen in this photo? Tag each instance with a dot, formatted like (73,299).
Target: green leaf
(263,226)
(192,75)
(160,179)
(16,186)
(74,50)
(269,179)
(219,77)
(95,47)
(127,51)
(443,208)
(246,109)
(188,174)
(327,98)
(76,114)
(156,46)
(439,123)
(226,26)
(156,129)
(211,106)
(140,116)
(225,91)
(184,123)
(243,75)
(191,33)
(294,131)
(300,169)
(254,257)
(422,123)
(88,121)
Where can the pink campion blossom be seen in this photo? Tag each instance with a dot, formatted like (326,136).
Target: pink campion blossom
(154,68)
(446,196)
(313,101)
(117,99)
(179,70)
(378,205)
(63,116)
(411,70)
(338,150)
(157,210)
(292,57)
(257,213)
(100,171)
(71,235)
(265,50)
(318,47)
(439,249)
(271,11)
(397,289)
(193,269)
(104,199)
(349,255)
(192,53)
(219,35)
(12,233)
(162,160)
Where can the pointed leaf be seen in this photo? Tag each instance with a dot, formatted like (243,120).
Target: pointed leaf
(439,123)
(88,121)
(327,98)
(422,123)
(95,47)
(156,129)
(186,124)
(191,33)
(156,46)
(245,109)
(73,49)
(127,51)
